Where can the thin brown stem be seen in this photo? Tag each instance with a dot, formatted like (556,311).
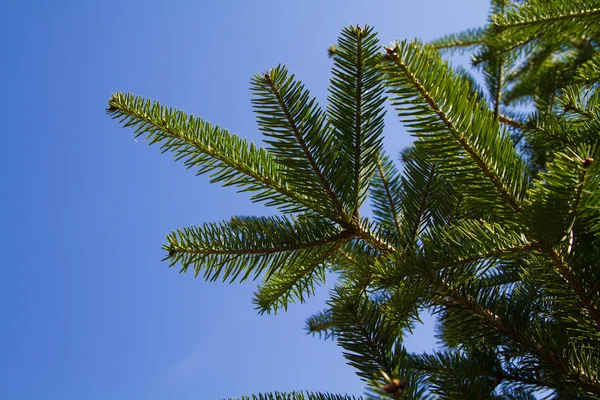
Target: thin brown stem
(509,121)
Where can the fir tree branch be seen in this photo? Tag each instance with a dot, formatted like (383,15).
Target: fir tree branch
(371,342)
(342,236)
(207,148)
(479,58)
(450,296)
(567,274)
(401,56)
(552,133)
(321,324)
(475,373)
(356,111)
(502,23)
(555,207)
(251,245)
(380,358)
(305,150)
(460,41)
(294,281)
(589,72)
(496,322)
(524,248)
(503,375)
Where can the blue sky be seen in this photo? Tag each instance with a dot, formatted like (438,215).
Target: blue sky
(88,309)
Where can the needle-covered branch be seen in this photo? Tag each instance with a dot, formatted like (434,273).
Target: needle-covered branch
(229,159)
(440,108)
(249,246)
(356,109)
(299,138)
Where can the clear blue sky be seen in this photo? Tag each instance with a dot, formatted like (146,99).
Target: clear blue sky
(88,310)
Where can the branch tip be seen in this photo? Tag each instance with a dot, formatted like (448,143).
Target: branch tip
(396,387)
(390,52)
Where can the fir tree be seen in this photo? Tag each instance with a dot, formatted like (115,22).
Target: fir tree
(493,221)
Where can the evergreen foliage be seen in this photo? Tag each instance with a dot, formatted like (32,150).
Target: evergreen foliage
(492,221)
(297,396)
